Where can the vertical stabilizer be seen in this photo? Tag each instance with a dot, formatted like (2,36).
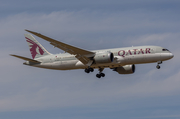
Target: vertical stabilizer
(36,49)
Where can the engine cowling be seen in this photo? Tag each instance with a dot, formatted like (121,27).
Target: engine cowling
(106,57)
(127,69)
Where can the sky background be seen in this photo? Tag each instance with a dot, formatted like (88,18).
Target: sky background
(33,93)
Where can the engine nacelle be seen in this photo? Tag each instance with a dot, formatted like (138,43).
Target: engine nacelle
(127,69)
(105,57)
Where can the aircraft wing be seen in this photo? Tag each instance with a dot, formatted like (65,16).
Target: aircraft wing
(81,54)
(27,59)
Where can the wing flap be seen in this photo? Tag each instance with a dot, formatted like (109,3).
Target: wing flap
(84,60)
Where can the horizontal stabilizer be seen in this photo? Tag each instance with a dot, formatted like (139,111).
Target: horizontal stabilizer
(24,58)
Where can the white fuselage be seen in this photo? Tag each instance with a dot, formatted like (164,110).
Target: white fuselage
(122,56)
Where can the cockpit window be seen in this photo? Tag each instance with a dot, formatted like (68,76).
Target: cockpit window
(165,50)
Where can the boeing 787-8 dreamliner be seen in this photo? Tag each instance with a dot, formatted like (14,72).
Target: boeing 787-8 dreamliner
(121,60)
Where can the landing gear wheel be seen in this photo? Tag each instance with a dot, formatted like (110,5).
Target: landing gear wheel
(102,74)
(87,70)
(98,75)
(159,62)
(91,69)
(158,67)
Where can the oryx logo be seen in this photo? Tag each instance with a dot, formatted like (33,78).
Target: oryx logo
(34,48)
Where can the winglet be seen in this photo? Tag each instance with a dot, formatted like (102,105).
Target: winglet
(31,31)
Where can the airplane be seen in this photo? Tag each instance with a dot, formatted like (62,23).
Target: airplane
(121,60)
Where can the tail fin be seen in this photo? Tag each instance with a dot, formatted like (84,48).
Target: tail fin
(36,49)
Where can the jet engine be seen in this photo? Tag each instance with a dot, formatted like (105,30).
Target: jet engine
(106,57)
(127,69)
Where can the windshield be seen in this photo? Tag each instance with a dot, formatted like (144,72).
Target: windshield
(165,50)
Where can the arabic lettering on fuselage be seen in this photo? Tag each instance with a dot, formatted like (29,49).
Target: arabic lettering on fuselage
(124,53)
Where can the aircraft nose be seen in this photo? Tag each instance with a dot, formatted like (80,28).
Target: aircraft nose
(171,55)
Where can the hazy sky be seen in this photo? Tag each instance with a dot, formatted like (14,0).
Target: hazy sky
(33,93)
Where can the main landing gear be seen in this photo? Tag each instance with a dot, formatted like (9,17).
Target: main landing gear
(99,75)
(159,62)
(89,69)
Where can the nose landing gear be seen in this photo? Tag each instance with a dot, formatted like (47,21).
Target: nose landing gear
(158,66)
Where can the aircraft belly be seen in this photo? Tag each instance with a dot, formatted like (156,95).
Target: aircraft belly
(152,57)
(59,65)
(66,65)
(144,58)
(135,59)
